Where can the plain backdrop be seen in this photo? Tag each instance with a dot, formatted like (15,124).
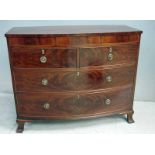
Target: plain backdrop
(82,9)
(145,85)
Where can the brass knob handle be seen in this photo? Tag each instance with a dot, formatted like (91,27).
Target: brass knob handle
(44,82)
(43,59)
(110,56)
(109,78)
(46,106)
(107,101)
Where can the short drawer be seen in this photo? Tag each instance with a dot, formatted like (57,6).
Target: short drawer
(31,40)
(93,79)
(44,105)
(120,38)
(43,58)
(108,55)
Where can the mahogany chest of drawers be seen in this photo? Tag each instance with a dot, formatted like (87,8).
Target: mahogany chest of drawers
(73,72)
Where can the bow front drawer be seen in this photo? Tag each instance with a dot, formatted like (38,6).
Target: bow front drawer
(46,105)
(52,80)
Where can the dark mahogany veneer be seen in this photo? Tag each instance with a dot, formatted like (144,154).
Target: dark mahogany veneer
(73,72)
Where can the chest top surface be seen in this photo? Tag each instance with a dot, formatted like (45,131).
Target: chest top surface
(75,30)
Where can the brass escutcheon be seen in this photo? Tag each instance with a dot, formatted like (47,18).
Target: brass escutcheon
(46,106)
(107,101)
(44,82)
(43,59)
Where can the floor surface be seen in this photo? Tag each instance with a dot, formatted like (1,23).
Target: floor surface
(144,121)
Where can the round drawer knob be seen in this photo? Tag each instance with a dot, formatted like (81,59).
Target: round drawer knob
(110,56)
(107,101)
(44,82)
(109,78)
(46,106)
(43,59)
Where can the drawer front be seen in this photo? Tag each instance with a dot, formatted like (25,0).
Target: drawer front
(31,40)
(52,58)
(61,41)
(44,80)
(106,78)
(118,38)
(108,55)
(73,40)
(49,80)
(70,105)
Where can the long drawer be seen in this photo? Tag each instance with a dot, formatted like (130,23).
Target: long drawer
(72,58)
(77,80)
(55,105)
(69,40)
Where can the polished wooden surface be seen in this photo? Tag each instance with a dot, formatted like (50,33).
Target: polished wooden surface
(99,56)
(80,29)
(85,65)
(73,40)
(70,105)
(23,57)
(94,79)
(56,58)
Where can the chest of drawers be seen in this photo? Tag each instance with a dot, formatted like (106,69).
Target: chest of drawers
(73,72)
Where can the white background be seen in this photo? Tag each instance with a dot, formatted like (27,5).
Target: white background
(77,9)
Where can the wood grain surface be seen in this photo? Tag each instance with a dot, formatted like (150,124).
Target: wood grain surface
(31,79)
(68,105)
(73,81)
